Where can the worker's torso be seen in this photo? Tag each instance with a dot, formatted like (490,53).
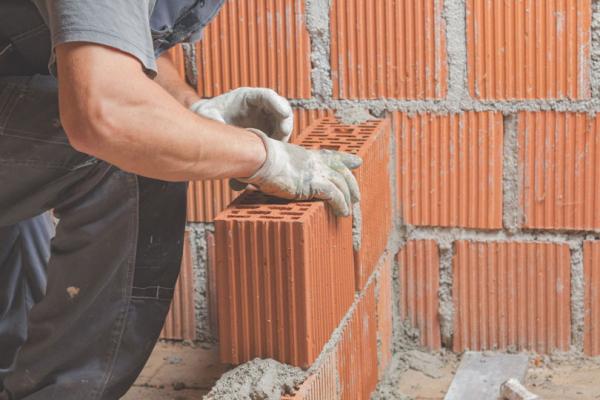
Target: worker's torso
(25,39)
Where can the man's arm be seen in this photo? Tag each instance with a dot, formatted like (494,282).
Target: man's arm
(168,77)
(110,109)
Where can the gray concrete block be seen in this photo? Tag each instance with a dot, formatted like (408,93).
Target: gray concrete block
(480,376)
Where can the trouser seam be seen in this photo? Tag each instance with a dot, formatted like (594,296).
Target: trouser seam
(126,291)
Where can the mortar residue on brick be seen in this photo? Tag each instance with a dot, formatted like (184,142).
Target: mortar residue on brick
(353,115)
(577,296)
(257,380)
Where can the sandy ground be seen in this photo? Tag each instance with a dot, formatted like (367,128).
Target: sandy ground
(184,372)
(177,372)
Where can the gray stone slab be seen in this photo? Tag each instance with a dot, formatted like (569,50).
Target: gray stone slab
(480,375)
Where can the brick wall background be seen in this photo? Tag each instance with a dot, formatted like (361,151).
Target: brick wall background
(494,153)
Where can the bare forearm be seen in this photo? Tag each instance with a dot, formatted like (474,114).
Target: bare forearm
(137,126)
(169,79)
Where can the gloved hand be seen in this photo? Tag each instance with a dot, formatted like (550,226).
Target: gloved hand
(295,173)
(257,108)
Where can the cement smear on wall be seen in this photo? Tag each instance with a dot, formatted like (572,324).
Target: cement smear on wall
(200,270)
(317,23)
(257,380)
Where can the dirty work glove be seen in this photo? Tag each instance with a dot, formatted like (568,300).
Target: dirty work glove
(295,173)
(257,108)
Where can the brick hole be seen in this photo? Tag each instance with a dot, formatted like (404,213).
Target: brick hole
(257,212)
(330,147)
(342,130)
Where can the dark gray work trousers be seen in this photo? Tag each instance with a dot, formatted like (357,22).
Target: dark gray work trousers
(111,265)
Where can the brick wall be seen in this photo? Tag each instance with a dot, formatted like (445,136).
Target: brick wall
(494,158)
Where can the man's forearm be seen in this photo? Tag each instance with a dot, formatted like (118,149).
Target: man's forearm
(169,79)
(112,111)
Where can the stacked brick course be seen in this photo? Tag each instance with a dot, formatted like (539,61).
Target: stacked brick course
(494,154)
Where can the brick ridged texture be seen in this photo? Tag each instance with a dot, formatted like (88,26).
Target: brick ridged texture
(321,385)
(180,323)
(525,49)
(591,265)
(388,49)
(450,169)
(350,370)
(420,280)
(284,279)
(510,295)
(208,198)
(258,43)
(385,316)
(370,141)
(560,179)
(357,351)
(303,118)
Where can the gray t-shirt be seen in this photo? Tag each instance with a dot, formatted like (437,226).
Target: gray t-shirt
(122,24)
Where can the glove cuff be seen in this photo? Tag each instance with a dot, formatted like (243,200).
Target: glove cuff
(195,107)
(265,171)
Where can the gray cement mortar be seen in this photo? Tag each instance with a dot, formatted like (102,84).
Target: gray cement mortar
(512,214)
(190,66)
(200,270)
(577,296)
(317,23)
(257,380)
(595,49)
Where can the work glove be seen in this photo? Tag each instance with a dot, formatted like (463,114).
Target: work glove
(295,173)
(257,108)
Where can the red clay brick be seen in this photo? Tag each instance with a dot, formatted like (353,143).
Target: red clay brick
(181,320)
(208,198)
(560,178)
(450,169)
(591,265)
(322,385)
(357,350)
(304,117)
(284,278)
(388,49)
(512,295)
(384,316)
(420,281)
(524,49)
(257,43)
(370,141)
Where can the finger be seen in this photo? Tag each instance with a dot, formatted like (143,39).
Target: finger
(341,184)
(352,184)
(350,160)
(269,99)
(285,128)
(329,192)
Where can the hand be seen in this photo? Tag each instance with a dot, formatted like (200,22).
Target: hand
(256,108)
(295,173)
